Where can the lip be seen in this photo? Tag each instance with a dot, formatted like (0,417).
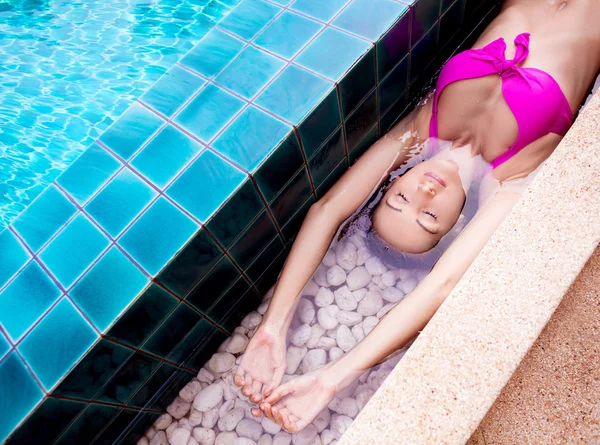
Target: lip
(436,178)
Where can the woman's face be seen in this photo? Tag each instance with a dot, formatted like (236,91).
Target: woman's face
(420,207)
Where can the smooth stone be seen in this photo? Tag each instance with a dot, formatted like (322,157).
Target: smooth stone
(269,426)
(265,439)
(282,438)
(369,324)
(363,397)
(170,429)
(326,343)
(327,316)
(335,353)
(205,376)
(195,418)
(324,297)
(163,421)
(392,295)
(316,332)
(320,276)
(249,429)
(221,362)
(348,391)
(360,294)
(143,441)
(326,437)
(348,407)
(370,305)
(230,421)
(151,432)
(305,435)
(345,339)
(208,398)
(376,280)
(322,420)
(223,347)
(294,356)
(357,239)
(346,256)
(180,437)
(339,425)
(189,391)
(348,318)
(375,266)
(311,289)
(314,359)
(300,335)
(179,408)
(408,286)
(237,344)
(244,441)
(362,254)
(344,299)
(263,307)
(226,438)
(185,424)
(384,310)
(192,441)
(389,278)
(336,275)
(210,417)
(357,331)
(358,278)
(204,436)
(159,439)
(306,311)
(329,259)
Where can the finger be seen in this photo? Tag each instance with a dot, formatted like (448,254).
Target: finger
(247,391)
(287,422)
(278,393)
(256,389)
(256,412)
(277,417)
(277,378)
(266,409)
(238,380)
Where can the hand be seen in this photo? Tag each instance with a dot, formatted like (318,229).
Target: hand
(295,404)
(263,364)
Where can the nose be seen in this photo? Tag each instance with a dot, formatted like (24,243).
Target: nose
(428,188)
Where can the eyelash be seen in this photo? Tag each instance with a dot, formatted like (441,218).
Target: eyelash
(432,215)
(402,196)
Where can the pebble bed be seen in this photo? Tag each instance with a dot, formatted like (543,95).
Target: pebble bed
(347,296)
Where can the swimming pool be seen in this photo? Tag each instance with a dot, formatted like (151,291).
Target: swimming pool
(69,69)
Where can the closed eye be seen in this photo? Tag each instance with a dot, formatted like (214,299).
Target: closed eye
(433,215)
(402,196)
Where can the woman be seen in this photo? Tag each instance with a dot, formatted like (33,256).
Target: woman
(512,105)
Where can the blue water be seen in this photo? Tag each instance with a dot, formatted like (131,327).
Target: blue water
(69,69)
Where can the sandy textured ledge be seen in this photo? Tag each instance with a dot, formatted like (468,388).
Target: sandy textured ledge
(461,361)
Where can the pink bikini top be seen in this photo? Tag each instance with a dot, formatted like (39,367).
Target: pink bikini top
(534,97)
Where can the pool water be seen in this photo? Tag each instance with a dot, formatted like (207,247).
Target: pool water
(69,69)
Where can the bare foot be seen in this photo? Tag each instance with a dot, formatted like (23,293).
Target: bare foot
(263,365)
(296,403)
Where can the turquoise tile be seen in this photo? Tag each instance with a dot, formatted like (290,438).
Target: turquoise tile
(87,174)
(12,256)
(205,185)
(74,249)
(51,207)
(282,2)
(287,34)
(318,8)
(57,343)
(293,94)
(25,299)
(332,53)
(327,158)
(249,72)
(369,18)
(212,53)
(249,148)
(159,233)
(120,201)
(19,393)
(4,345)
(208,112)
(165,156)
(108,288)
(320,123)
(249,17)
(131,130)
(172,90)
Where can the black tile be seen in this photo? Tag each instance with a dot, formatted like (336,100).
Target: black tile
(268,279)
(212,286)
(142,318)
(112,432)
(265,258)
(336,174)
(172,331)
(361,121)
(445,5)
(393,87)
(253,240)
(279,167)
(371,137)
(196,258)
(87,426)
(423,53)
(393,46)
(47,422)
(152,386)
(168,392)
(205,351)
(198,335)
(290,230)
(137,428)
(357,82)
(246,304)
(220,309)
(291,197)
(320,123)
(97,367)
(328,156)
(236,214)
(396,112)
(425,14)
(450,22)
(128,379)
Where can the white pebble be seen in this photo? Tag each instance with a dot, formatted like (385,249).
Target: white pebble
(347,318)
(282,438)
(179,408)
(226,438)
(305,435)
(180,437)
(231,420)
(345,339)
(392,295)
(237,344)
(265,439)
(209,397)
(347,407)
(192,441)
(363,397)
(346,256)
(262,309)
(185,424)
(195,418)
(339,425)
(316,332)
(369,324)
(159,439)
(327,316)
(348,391)
(210,417)
(358,278)
(370,305)
(163,421)
(250,429)
(336,275)
(407,286)
(300,336)
(205,376)
(322,420)
(152,432)
(335,353)
(294,356)
(314,359)
(170,429)
(357,331)
(204,436)
(324,297)
(189,391)
(344,299)
(223,347)
(269,426)
(311,288)
(306,311)
(360,294)
(377,280)
(326,343)
(385,309)
(320,276)
(389,278)
(326,437)
(143,441)
(329,259)
(375,266)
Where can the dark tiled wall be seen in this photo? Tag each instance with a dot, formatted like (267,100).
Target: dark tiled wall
(136,368)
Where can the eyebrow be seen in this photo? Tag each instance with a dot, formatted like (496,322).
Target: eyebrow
(417,221)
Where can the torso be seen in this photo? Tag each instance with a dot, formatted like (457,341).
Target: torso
(565,42)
